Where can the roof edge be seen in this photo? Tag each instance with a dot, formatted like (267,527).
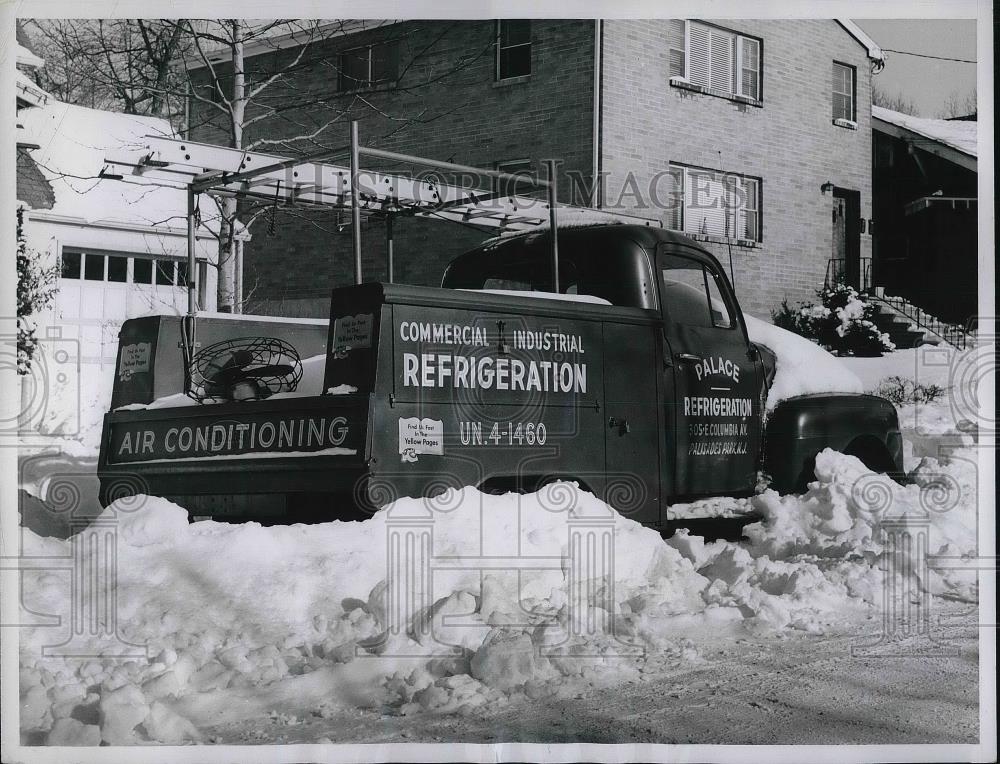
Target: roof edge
(874,51)
(219,54)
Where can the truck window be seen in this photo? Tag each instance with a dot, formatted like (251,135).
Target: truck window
(691,294)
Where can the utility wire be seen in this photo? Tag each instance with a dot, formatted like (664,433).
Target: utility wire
(926,55)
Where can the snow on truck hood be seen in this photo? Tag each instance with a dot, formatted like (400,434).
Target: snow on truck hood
(803,367)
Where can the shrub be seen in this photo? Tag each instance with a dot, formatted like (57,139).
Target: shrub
(902,391)
(36,286)
(842,323)
(791,319)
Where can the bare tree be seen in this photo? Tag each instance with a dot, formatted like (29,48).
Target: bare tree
(959,105)
(897,102)
(127,65)
(157,66)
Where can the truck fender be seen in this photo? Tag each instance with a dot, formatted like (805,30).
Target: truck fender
(865,426)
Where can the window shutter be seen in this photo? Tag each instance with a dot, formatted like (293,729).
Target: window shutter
(675,198)
(749,67)
(675,44)
(698,55)
(721,58)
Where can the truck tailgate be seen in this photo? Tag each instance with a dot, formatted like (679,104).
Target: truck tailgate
(316,443)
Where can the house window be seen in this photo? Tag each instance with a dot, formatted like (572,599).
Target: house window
(513,48)
(716,59)
(368,66)
(843,92)
(514,167)
(713,203)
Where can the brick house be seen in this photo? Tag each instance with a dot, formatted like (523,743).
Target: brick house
(749,135)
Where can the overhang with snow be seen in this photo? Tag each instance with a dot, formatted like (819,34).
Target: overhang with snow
(953,140)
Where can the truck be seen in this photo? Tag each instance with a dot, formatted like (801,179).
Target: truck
(632,375)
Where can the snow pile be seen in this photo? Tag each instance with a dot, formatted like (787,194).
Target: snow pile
(243,621)
(803,367)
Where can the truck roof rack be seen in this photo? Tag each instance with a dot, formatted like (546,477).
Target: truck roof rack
(312,181)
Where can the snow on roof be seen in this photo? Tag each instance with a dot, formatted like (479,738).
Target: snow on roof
(73,143)
(25,57)
(958,134)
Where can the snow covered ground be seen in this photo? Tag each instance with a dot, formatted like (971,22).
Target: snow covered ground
(246,634)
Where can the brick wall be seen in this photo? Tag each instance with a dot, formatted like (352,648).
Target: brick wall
(446,106)
(790,142)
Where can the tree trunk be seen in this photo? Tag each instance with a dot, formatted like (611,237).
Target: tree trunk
(227,299)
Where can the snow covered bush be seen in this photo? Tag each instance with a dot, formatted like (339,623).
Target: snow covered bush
(842,323)
(36,286)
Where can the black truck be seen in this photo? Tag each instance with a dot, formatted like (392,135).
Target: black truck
(636,379)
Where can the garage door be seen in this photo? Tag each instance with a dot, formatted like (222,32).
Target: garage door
(99,290)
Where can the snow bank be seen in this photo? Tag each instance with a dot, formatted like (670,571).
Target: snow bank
(803,367)
(244,621)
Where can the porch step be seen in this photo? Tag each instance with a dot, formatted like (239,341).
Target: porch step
(902,332)
(895,317)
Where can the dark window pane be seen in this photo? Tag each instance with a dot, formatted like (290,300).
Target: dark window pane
(117,268)
(515,32)
(515,62)
(165,272)
(182,274)
(354,69)
(71,265)
(385,62)
(93,268)
(684,292)
(142,271)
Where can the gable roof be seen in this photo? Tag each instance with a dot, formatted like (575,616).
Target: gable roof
(32,187)
(874,51)
(72,143)
(954,140)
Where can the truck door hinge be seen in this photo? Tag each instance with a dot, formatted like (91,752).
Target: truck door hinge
(392,400)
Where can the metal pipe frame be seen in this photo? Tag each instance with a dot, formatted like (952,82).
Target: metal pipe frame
(356,200)
(192,285)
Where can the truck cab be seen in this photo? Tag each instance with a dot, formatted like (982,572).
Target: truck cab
(683,393)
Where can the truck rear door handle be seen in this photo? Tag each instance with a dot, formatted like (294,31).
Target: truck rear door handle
(688,357)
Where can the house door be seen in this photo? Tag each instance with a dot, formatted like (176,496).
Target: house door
(846,240)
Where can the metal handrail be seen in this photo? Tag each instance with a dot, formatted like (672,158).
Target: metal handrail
(836,272)
(953,334)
